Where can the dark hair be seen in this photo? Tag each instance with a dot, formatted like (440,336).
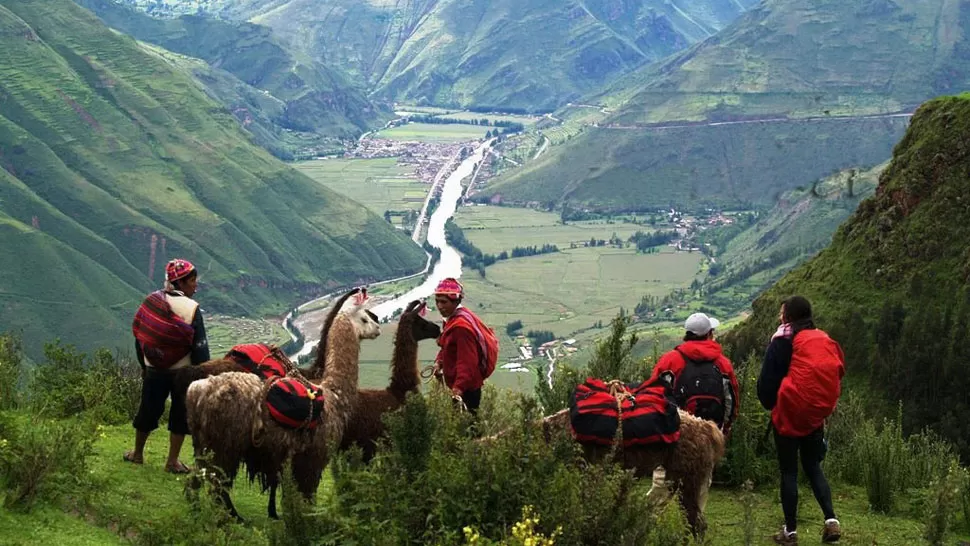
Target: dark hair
(798,313)
(192,274)
(691,336)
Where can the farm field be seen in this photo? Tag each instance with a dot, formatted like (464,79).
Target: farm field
(378,184)
(524,120)
(494,229)
(433,132)
(225,332)
(568,292)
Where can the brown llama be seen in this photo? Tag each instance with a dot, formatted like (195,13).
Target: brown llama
(689,463)
(231,425)
(185,376)
(367,424)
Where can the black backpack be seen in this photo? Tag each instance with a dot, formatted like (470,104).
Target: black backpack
(700,389)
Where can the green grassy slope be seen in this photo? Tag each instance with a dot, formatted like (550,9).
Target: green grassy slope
(892,285)
(823,65)
(800,224)
(315,100)
(725,165)
(800,57)
(105,148)
(532,54)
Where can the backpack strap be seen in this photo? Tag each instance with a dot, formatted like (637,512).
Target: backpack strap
(479,337)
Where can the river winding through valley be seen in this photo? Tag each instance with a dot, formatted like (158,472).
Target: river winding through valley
(449,265)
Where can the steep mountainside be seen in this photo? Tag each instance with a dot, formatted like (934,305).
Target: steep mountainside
(114,162)
(531,54)
(893,285)
(824,64)
(800,224)
(290,102)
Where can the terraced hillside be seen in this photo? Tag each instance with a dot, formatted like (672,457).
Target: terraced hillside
(292,104)
(789,93)
(530,54)
(113,162)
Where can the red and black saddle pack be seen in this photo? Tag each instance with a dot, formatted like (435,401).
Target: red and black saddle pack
(266,361)
(647,414)
(295,403)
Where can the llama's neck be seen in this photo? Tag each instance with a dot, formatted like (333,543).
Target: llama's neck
(342,373)
(405,376)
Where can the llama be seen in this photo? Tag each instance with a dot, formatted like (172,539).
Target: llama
(230,424)
(185,376)
(372,404)
(689,463)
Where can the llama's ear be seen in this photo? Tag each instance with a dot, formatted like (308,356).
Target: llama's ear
(423,309)
(360,297)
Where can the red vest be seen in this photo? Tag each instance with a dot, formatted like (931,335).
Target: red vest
(810,391)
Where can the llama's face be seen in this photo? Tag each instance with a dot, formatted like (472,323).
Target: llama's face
(365,322)
(421,328)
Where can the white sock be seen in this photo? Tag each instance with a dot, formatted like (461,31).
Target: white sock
(830,521)
(787,532)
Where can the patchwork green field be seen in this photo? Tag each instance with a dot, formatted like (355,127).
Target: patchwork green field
(225,332)
(434,132)
(568,292)
(494,229)
(378,184)
(524,120)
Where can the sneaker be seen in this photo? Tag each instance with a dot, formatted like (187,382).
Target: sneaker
(786,538)
(832,531)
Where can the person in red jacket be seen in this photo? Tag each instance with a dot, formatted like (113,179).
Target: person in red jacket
(701,377)
(800,383)
(458,360)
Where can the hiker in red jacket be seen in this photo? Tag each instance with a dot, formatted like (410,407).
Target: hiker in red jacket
(800,383)
(459,359)
(169,335)
(701,377)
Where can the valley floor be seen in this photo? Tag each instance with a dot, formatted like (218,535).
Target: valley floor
(132,500)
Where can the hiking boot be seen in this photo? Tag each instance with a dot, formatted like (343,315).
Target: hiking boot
(832,531)
(786,538)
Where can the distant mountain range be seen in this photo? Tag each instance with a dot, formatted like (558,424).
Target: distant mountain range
(780,98)
(113,160)
(293,105)
(509,54)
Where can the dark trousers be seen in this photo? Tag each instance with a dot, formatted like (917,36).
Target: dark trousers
(472,400)
(812,449)
(156,387)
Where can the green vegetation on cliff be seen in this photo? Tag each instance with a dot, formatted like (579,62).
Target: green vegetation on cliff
(114,162)
(892,286)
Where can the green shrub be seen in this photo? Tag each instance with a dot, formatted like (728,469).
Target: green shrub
(433,478)
(11,366)
(69,383)
(750,455)
(942,505)
(42,459)
(207,523)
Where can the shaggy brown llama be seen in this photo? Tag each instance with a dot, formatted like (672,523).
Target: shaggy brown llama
(185,376)
(367,424)
(230,423)
(689,463)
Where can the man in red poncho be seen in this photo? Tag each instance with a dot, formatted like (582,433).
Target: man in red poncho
(459,361)
(169,335)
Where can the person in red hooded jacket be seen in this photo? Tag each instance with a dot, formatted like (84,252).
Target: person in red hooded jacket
(702,378)
(800,383)
(458,360)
